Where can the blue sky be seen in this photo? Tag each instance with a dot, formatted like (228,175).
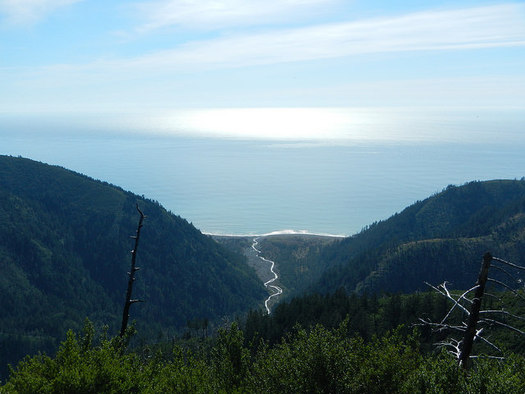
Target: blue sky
(160,58)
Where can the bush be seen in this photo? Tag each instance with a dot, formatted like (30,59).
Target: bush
(310,361)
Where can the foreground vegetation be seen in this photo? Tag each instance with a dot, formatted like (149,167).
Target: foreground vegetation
(335,343)
(318,360)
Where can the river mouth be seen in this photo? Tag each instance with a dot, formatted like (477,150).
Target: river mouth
(277,275)
(265,269)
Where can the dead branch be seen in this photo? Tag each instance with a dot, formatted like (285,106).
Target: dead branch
(487,356)
(503,312)
(491,321)
(493,296)
(442,326)
(454,344)
(508,263)
(479,337)
(503,270)
(456,303)
(446,294)
(507,287)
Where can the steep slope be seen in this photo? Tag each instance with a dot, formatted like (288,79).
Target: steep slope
(65,250)
(440,238)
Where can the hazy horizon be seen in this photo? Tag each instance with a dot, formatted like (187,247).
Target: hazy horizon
(241,186)
(318,125)
(220,109)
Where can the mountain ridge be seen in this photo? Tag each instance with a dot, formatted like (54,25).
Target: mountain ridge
(64,252)
(446,234)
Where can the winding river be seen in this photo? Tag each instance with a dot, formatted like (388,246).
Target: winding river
(277,290)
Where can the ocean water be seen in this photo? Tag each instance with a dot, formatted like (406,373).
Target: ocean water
(256,186)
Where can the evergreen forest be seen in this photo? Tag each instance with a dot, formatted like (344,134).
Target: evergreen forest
(351,318)
(65,242)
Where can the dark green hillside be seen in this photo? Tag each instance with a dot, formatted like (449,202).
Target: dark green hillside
(440,238)
(65,250)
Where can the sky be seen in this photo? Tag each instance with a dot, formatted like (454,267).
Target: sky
(165,63)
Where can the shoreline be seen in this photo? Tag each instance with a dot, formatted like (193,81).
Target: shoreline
(278,232)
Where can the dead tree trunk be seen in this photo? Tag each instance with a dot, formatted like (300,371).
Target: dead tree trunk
(471,307)
(131,273)
(470,333)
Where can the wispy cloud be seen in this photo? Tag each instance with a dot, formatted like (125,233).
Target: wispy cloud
(170,76)
(492,26)
(470,28)
(26,12)
(210,14)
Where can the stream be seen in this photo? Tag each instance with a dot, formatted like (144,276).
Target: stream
(268,284)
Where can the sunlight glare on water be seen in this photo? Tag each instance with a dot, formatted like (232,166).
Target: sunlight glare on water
(335,125)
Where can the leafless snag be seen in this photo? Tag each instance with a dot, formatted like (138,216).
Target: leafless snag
(131,273)
(473,316)
(474,327)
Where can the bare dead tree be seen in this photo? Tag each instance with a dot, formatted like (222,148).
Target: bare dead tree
(478,321)
(473,316)
(131,276)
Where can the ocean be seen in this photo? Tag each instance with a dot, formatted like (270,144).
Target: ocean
(236,186)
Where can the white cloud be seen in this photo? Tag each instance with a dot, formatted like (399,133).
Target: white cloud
(493,26)
(213,13)
(30,11)
(169,77)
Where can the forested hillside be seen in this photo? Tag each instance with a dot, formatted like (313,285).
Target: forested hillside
(65,250)
(441,238)
(368,316)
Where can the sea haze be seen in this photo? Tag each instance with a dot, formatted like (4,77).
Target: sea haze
(255,185)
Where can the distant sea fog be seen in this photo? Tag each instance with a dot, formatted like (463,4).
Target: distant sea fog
(227,184)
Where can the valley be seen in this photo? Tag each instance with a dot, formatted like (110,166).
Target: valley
(65,238)
(271,255)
